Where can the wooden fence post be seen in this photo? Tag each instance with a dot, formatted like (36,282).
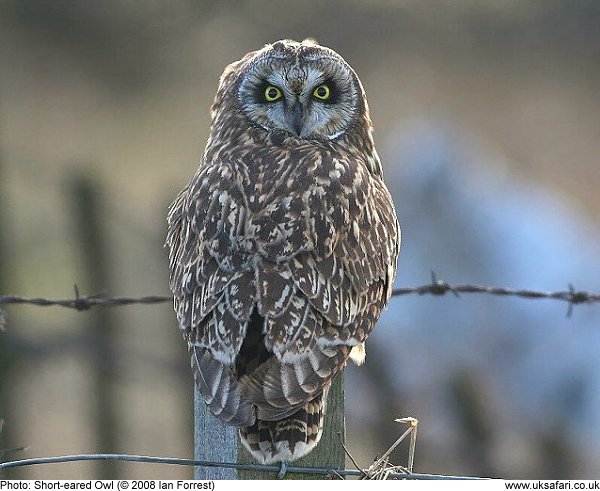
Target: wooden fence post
(214,441)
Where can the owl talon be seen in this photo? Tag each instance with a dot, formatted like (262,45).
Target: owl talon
(282,470)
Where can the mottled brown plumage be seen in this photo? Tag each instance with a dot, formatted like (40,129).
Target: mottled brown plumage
(283,246)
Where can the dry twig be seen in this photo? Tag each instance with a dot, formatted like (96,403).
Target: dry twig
(381,468)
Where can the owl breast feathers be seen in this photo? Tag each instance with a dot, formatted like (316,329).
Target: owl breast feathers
(283,246)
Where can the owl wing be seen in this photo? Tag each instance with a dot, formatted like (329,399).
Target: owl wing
(333,291)
(212,289)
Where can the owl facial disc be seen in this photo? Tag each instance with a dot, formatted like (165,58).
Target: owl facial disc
(302,88)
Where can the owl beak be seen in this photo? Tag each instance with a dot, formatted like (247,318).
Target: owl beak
(297,117)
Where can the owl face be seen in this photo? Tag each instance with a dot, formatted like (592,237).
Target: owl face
(303,88)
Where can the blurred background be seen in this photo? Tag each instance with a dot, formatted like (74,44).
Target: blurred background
(487,118)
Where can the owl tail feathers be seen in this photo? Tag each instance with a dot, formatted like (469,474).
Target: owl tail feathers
(220,390)
(289,438)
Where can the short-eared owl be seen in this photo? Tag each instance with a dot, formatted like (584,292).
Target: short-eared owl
(283,246)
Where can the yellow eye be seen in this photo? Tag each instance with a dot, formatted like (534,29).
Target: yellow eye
(322,92)
(272,93)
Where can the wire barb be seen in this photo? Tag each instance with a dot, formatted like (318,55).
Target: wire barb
(282,470)
(439,287)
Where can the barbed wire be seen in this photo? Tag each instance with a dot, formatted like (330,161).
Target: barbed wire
(84,302)
(227,465)
(435,287)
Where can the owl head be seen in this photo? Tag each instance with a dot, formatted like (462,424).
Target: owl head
(304,89)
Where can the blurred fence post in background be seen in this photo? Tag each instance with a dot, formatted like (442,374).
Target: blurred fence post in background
(329,453)
(5,350)
(92,240)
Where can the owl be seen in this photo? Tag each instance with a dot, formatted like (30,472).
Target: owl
(283,246)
